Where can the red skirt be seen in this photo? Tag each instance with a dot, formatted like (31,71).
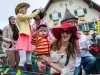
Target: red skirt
(23,43)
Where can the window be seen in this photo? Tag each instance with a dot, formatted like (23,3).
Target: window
(85,27)
(80,12)
(55,16)
(94,24)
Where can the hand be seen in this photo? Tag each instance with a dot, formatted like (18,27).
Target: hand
(40,65)
(41,9)
(47,59)
(13,42)
(84,48)
(34,34)
(43,66)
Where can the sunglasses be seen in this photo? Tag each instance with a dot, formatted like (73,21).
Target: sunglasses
(68,31)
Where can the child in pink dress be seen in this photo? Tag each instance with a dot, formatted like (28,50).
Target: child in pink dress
(23,44)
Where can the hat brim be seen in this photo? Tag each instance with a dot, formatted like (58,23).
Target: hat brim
(20,6)
(57,34)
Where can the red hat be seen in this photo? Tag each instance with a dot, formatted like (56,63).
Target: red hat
(56,30)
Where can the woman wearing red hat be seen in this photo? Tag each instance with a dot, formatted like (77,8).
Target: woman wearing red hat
(63,50)
(23,45)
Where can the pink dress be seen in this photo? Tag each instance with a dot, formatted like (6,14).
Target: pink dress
(23,43)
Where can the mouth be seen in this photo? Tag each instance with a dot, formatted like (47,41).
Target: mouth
(65,36)
(42,34)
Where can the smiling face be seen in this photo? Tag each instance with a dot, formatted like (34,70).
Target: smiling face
(66,34)
(37,17)
(12,20)
(23,10)
(43,32)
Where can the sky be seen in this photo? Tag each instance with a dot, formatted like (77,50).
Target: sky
(7,8)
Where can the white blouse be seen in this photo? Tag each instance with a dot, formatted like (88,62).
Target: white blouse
(60,60)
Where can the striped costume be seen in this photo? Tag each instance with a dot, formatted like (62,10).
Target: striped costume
(42,46)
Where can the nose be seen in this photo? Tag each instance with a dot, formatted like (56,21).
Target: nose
(43,31)
(64,33)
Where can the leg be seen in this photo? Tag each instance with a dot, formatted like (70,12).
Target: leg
(77,70)
(88,62)
(22,54)
(29,62)
(17,58)
(11,58)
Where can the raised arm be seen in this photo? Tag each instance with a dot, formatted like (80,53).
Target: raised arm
(27,17)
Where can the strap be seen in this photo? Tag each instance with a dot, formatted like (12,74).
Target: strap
(67,60)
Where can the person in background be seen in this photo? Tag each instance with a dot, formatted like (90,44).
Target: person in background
(39,20)
(10,36)
(94,38)
(84,58)
(23,44)
(63,50)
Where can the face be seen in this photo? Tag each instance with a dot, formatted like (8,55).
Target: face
(37,17)
(24,9)
(66,34)
(12,20)
(43,31)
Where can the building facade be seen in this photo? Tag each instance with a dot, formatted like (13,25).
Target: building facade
(86,11)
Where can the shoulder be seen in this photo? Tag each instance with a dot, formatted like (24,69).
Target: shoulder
(83,36)
(19,14)
(43,20)
(6,27)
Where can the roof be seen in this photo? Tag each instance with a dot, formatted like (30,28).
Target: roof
(68,16)
(89,2)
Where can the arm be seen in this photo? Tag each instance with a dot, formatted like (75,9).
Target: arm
(67,70)
(27,17)
(33,40)
(5,34)
(88,44)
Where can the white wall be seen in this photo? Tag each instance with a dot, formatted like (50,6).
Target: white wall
(91,12)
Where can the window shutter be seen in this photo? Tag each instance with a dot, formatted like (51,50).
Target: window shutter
(51,30)
(50,16)
(98,40)
(75,12)
(59,14)
(80,27)
(90,25)
(85,11)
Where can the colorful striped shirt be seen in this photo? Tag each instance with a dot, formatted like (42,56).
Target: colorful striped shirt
(42,45)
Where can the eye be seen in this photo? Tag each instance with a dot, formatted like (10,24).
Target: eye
(41,30)
(45,30)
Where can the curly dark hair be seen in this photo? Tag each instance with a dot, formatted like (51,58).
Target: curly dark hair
(41,14)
